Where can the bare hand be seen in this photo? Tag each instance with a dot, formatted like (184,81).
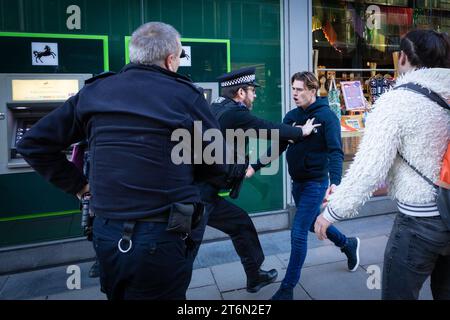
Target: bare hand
(321,226)
(250,172)
(309,127)
(82,191)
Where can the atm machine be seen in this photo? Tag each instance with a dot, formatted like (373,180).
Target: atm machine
(31,204)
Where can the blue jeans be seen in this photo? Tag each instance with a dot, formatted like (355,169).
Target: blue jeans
(308,197)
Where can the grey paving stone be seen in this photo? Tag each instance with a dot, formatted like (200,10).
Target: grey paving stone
(204,293)
(425,293)
(280,242)
(231,276)
(92,293)
(43,282)
(316,256)
(333,282)
(264,294)
(215,253)
(367,227)
(3,280)
(220,252)
(201,278)
(372,250)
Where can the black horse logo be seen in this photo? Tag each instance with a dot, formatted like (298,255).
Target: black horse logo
(47,52)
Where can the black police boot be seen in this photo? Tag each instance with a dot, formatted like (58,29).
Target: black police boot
(94,272)
(263,278)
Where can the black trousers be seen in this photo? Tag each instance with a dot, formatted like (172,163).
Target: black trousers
(158,266)
(417,248)
(236,223)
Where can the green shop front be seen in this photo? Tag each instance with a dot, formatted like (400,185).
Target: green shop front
(49,47)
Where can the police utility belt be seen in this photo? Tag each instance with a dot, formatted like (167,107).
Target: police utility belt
(182,218)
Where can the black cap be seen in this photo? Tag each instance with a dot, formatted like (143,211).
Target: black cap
(244,76)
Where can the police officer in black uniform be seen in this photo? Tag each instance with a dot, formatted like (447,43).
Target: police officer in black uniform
(232,110)
(137,192)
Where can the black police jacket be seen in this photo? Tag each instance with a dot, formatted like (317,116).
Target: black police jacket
(128,119)
(232,115)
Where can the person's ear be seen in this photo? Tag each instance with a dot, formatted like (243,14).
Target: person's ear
(402,58)
(168,62)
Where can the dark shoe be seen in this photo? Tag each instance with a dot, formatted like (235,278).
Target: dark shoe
(351,250)
(263,279)
(94,272)
(283,294)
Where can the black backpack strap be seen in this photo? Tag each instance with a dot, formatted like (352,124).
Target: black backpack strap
(426,92)
(432,96)
(417,171)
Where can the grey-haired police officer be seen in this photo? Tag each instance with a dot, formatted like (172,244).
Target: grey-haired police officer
(128,119)
(232,110)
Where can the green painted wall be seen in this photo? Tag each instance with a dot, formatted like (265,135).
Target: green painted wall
(252,26)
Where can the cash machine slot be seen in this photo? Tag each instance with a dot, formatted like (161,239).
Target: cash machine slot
(23,117)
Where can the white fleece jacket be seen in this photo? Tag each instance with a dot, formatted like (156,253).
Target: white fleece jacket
(410,123)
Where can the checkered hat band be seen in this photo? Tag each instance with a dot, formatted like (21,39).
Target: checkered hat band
(240,80)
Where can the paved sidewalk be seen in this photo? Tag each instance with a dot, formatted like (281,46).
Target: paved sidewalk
(219,275)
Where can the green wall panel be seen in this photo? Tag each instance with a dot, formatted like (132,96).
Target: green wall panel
(34,210)
(28,194)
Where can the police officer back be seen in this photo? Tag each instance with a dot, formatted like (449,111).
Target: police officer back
(232,110)
(128,119)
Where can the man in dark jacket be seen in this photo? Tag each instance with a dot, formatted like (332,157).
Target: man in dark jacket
(128,119)
(232,110)
(315,166)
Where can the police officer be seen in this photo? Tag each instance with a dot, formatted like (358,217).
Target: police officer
(232,110)
(137,191)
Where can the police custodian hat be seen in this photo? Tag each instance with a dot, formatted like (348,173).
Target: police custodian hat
(244,76)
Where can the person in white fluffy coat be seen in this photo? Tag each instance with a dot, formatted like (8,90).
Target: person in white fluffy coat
(411,124)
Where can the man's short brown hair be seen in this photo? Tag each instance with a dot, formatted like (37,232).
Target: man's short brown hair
(309,79)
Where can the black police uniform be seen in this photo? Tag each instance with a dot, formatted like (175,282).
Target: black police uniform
(224,215)
(128,119)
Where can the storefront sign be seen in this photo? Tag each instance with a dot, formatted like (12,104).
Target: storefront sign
(44,54)
(186,61)
(353,95)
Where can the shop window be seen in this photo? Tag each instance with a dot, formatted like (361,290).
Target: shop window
(356,47)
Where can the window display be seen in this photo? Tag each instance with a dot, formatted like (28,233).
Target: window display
(355,45)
